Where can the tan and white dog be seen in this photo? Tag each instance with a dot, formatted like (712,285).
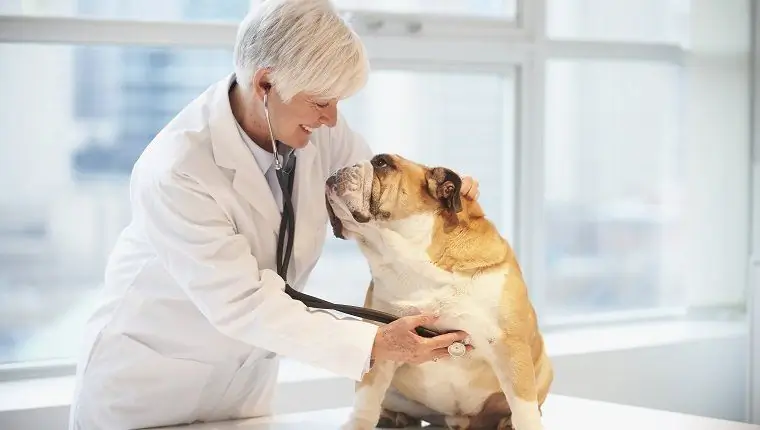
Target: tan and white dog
(431,251)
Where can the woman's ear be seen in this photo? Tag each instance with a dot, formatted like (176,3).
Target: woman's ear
(260,83)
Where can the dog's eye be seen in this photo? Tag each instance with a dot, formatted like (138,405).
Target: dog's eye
(379,162)
(382,161)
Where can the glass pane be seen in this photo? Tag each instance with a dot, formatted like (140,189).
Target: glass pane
(431,118)
(499,8)
(69,195)
(164,10)
(630,20)
(68,159)
(641,212)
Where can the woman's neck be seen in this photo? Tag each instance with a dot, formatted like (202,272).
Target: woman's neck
(250,118)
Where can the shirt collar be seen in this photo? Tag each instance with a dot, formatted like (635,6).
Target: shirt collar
(264,159)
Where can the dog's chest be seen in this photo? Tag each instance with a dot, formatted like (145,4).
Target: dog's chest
(455,386)
(471,305)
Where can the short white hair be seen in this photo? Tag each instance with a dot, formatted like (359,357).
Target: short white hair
(307,46)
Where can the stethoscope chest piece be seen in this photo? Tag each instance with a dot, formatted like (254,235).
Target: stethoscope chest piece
(457,349)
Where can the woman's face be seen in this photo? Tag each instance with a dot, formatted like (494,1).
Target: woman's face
(293,122)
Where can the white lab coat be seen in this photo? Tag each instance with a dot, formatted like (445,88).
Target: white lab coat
(194,317)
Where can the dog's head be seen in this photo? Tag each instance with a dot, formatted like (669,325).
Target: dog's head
(387,190)
(397,208)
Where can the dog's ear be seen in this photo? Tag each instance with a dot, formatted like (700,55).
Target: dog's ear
(445,186)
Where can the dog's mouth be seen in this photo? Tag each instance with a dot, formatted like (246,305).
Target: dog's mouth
(335,222)
(347,196)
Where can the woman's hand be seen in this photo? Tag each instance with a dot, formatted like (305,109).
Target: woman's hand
(399,342)
(469,188)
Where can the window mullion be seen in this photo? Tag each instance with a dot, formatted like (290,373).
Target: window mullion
(433,51)
(753,287)
(530,243)
(374,23)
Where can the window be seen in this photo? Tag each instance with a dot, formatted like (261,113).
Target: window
(654,21)
(610,138)
(609,242)
(646,170)
(69,199)
(428,120)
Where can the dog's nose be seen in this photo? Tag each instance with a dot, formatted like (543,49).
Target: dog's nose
(332,180)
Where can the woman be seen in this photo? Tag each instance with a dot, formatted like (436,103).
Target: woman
(194,318)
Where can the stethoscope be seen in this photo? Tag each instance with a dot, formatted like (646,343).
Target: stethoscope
(285,171)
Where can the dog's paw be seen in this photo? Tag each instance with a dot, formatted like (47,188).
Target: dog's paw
(505,424)
(396,420)
(457,423)
(358,425)
(536,426)
(525,416)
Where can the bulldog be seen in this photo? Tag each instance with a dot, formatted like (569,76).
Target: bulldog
(429,250)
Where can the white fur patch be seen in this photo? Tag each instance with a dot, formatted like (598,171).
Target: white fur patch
(457,422)
(407,282)
(525,415)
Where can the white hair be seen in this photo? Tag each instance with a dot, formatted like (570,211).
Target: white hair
(306,45)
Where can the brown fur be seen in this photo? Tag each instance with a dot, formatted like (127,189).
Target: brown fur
(464,242)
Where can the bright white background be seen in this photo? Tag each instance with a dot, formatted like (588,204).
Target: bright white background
(611,138)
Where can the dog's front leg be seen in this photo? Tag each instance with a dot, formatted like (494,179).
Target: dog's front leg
(370,393)
(513,365)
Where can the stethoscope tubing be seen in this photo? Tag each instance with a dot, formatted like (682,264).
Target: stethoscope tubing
(287,226)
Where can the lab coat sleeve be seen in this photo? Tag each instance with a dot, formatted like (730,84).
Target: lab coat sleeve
(213,263)
(347,146)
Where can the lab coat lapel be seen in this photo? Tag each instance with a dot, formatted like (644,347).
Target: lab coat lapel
(230,152)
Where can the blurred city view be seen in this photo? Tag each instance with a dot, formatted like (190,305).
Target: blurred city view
(73,119)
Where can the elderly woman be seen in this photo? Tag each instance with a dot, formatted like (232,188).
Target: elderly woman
(194,316)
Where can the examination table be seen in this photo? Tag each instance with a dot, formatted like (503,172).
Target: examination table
(560,413)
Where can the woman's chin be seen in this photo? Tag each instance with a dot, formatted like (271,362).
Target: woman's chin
(299,142)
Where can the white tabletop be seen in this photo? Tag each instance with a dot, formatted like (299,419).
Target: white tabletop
(560,412)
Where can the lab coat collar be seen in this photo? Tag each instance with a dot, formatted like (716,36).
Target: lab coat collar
(231,152)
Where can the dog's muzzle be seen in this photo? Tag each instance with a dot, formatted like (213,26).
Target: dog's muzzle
(348,193)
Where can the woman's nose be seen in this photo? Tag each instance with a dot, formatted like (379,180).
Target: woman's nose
(329,115)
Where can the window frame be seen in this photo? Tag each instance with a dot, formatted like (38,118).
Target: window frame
(440,43)
(753,289)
